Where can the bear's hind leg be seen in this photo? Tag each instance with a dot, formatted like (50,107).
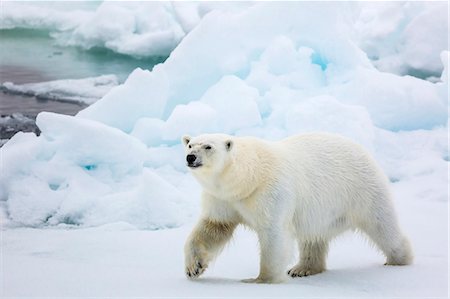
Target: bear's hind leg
(384,231)
(313,256)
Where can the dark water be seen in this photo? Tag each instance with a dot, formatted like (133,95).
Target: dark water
(26,105)
(31,56)
(35,50)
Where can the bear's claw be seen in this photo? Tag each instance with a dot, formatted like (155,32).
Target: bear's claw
(195,271)
(301,271)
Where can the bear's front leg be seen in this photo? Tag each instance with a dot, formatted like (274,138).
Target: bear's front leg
(275,251)
(204,243)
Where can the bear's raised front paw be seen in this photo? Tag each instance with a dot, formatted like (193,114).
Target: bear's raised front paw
(300,271)
(195,269)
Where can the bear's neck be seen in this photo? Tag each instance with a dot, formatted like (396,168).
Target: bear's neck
(250,168)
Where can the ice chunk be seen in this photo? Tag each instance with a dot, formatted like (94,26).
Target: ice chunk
(193,118)
(425,37)
(202,116)
(403,37)
(16,156)
(149,202)
(37,16)
(395,103)
(148,130)
(144,29)
(214,49)
(280,57)
(17,122)
(87,90)
(92,145)
(414,155)
(299,69)
(143,94)
(326,114)
(81,172)
(165,155)
(235,103)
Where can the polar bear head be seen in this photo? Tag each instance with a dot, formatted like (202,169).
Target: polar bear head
(208,153)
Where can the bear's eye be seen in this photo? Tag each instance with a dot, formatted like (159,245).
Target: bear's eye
(208,147)
(189,146)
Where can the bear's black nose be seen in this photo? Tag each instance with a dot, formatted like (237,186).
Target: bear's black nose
(190,158)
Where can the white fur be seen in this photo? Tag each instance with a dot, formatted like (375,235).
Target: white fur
(309,188)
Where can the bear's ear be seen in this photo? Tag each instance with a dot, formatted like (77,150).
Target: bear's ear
(185,139)
(228,145)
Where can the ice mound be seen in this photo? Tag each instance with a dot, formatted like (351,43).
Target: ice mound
(83,172)
(216,111)
(403,37)
(87,90)
(394,102)
(148,98)
(144,29)
(240,72)
(325,113)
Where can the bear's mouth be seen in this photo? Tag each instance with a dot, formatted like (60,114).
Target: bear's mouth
(194,165)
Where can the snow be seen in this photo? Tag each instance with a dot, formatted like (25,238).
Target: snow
(92,198)
(118,260)
(87,90)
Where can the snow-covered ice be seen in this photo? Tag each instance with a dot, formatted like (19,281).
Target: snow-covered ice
(101,188)
(53,16)
(403,37)
(116,260)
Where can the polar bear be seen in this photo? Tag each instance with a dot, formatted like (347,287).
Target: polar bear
(309,188)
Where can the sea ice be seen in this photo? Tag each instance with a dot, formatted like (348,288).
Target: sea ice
(267,69)
(86,91)
(237,71)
